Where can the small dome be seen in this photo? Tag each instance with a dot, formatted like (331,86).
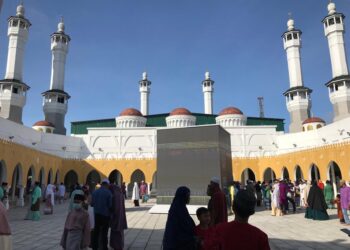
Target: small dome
(20,10)
(290,24)
(180,111)
(331,8)
(313,119)
(60,26)
(130,112)
(43,124)
(231,111)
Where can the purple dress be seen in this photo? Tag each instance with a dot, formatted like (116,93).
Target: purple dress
(283,193)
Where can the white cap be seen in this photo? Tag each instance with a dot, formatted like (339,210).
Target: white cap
(290,24)
(144,76)
(331,8)
(105,181)
(60,26)
(215,180)
(20,10)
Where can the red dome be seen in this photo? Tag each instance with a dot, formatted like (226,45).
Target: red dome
(180,111)
(313,119)
(130,112)
(44,124)
(231,111)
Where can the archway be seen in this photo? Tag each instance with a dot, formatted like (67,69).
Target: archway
(246,175)
(92,179)
(30,179)
(298,174)
(285,173)
(16,183)
(334,175)
(57,177)
(70,179)
(154,182)
(49,177)
(3,172)
(115,177)
(41,178)
(269,175)
(314,173)
(137,176)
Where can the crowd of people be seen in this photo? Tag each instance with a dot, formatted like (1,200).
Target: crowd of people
(214,232)
(92,216)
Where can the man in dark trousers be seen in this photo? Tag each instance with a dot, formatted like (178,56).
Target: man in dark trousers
(217,203)
(102,204)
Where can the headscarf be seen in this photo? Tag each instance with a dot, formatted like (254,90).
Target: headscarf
(179,230)
(118,217)
(135,192)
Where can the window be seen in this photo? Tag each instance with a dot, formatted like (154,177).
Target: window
(292,97)
(326,24)
(336,87)
(295,35)
(64,40)
(21,24)
(331,21)
(14,23)
(57,39)
(309,127)
(15,90)
(60,99)
(289,37)
(331,89)
(318,126)
(337,20)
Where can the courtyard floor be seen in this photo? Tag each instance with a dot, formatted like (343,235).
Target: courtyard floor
(146,230)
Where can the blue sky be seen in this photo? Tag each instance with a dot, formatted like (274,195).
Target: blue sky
(114,41)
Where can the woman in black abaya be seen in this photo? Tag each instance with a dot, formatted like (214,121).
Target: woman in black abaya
(316,204)
(179,230)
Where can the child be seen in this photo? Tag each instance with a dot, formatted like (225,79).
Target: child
(340,212)
(203,231)
(76,234)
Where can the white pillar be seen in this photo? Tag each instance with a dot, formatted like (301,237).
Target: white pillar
(20,201)
(145,90)
(18,35)
(334,31)
(208,90)
(59,49)
(292,45)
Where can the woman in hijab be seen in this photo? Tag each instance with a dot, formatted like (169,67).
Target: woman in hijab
(5,231)
(317,206)
(136,195)
(118,218)
(179,230)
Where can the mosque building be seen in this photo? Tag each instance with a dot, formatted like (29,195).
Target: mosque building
(124,148)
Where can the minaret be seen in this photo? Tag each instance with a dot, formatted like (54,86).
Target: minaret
(12,89)
(208,90)
(297,96)
(339,86)
(55,103)
(145,90)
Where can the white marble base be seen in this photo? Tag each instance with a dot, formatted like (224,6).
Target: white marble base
(164,209)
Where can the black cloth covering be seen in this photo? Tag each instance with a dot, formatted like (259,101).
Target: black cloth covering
(179,230)
(317,206)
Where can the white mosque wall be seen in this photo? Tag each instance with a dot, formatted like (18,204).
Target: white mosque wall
(63,146)
(336,132)
(129,143)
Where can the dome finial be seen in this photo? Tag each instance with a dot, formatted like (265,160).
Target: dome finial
(144,75)
(331,8)
(207,75)
(290,23)
(60,26)
(20,9)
